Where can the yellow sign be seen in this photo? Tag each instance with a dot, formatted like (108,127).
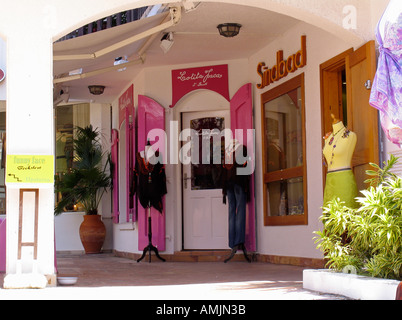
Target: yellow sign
(29,169)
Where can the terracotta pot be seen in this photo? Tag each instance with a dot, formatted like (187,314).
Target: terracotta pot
(92,233)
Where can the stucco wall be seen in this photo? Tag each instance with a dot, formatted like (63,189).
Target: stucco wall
(321,46)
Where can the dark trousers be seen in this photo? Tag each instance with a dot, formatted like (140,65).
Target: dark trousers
(237,215)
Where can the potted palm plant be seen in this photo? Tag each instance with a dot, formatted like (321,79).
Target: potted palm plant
(86,183)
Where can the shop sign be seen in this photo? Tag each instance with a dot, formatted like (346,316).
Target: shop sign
(213,78)
(30,169)
(126,101)
(282,67)
(2,75)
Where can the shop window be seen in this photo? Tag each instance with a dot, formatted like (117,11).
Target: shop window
(66,119)
(284,161)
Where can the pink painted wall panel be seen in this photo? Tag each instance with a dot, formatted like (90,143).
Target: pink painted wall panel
(115,161)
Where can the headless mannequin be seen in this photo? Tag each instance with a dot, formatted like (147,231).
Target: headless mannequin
(147,155)
(148,152)
(338,151)
(237,205)
(386,91)
(392,12)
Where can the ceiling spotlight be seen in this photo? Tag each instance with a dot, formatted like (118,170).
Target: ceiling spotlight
(64,95)
(190,5)
(229,30)
(120,60)
(96,89)
(167,41)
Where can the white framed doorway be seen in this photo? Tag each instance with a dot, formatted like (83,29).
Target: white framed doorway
(205,217)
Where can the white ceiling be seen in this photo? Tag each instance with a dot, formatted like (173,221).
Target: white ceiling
(196,39)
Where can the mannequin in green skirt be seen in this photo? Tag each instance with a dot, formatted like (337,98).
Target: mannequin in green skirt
(338,151)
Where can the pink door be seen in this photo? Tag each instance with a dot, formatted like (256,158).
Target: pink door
(151,115)
(241,115)
(130,164)
(115,174)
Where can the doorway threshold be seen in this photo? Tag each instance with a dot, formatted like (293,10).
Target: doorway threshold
(201,255)
(192,256)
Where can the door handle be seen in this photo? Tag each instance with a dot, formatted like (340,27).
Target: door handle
(185,180)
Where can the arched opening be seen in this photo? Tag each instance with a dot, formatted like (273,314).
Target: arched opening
(273,27)
(196,42)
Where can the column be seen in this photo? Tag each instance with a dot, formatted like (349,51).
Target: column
(30,131)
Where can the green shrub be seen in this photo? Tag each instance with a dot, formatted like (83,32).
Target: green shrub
(369,238)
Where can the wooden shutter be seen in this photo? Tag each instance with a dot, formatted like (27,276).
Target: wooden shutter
(362,118)
(241,117)
(151,115)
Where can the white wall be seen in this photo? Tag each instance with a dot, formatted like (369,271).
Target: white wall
(66,227)
(321,46)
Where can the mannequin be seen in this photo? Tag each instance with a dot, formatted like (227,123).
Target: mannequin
(151,184)
(386,91)
(150,189)
(338,151)
(237,189)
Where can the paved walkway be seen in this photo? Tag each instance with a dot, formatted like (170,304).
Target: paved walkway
(104,276)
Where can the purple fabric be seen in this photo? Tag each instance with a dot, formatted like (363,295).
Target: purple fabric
(386,92)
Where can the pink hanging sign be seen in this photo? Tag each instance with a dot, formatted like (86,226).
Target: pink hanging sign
(213,78)
(126,100)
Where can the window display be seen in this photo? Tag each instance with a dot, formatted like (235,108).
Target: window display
(67,118)
(284,149)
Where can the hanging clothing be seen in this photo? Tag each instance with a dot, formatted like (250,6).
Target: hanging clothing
(230,176)
(237,215)
(150,182)
(386,92)
(237,189)
(341,184)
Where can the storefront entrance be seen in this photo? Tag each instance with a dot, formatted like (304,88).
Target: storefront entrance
(205,217)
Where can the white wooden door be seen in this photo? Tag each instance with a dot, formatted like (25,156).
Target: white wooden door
(205,217)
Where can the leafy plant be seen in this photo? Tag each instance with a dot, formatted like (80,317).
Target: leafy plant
(369,237)
(379,175)
(88,180)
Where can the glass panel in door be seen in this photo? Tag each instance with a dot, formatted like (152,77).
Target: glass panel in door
(206,174)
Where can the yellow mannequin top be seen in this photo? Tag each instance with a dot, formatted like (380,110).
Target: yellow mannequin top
(339,147)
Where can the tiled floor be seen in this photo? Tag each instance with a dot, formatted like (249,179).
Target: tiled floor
(104,276)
